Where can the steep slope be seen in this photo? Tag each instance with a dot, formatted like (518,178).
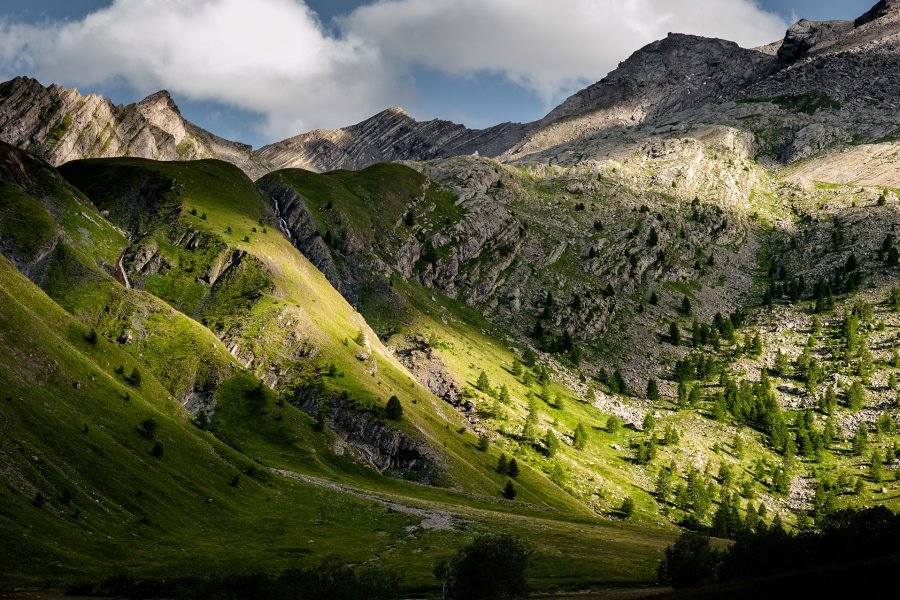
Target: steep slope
(593,243)
(111,478)
(672,75)
(281,319)
(60,125)
(827,87)
(389,136)
(179,361)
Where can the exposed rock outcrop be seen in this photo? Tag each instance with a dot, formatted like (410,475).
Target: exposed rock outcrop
(61,124)
(805,35)
(391,135)
(380,445)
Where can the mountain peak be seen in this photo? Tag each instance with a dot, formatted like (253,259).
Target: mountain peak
(163,99)
(882,9)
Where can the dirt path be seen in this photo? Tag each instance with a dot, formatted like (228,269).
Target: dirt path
(430,518)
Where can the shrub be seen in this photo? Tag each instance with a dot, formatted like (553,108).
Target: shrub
(613,424)
(157,450)
(689,561)
(134,378)
(148,428)
(492,567)
(393,410)
(509,492)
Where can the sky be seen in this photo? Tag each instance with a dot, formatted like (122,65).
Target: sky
(263,70)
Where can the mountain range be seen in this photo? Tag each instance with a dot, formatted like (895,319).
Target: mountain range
(673,302)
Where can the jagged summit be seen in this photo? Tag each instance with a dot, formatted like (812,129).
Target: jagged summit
(162,99)
(685,79)
(390,135)
(61,125)
(882,9)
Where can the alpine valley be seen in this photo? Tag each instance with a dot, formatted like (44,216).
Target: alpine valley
(673,303)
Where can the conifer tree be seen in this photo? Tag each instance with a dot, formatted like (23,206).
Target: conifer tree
(509,492)
(552,443)
(502,464)
(504,394)
(579,439)
(483,384)
(674,333)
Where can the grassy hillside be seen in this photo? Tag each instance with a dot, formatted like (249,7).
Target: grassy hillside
(104,492)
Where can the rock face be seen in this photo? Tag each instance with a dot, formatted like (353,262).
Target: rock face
(884,8)
(384,447)
(805,35)
(60,125)
(679,84)
(389,136)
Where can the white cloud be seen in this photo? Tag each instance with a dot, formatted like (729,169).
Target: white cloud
(275,58)
(269,56)
(549,46)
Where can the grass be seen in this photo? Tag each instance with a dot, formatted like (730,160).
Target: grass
(25,227)
(808,104)
(277,310)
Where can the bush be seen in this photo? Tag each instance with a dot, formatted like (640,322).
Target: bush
(628,507)
(134,378)
(393,410)
(157,450)
(689,561)
(613,424)
(492,567)
(148,428)
(509,492)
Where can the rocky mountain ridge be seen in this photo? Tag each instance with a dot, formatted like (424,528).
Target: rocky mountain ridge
(61,125)
(826,85)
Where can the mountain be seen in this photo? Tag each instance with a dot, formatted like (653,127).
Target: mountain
(389,136)
(674,302)
(797,96)
(60,125)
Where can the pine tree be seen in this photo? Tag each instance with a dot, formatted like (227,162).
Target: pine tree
(674,333)
(552,443)
(516,367)
(686,308)
(545,392)
(393,410)
(504,394)
(828,401)
(483,384)
(876,467)
(627,507)
(509,492)
(502,464)
(580,437)
(484,442)
(134,378)
(613,424)
(652,390)
(856,396)
(649,422)
(654,299)
(513,468)
(663,485)
(621,386)
(860,440)
(529,357)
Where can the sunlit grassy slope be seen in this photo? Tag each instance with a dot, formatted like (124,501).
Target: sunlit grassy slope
(163,508)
